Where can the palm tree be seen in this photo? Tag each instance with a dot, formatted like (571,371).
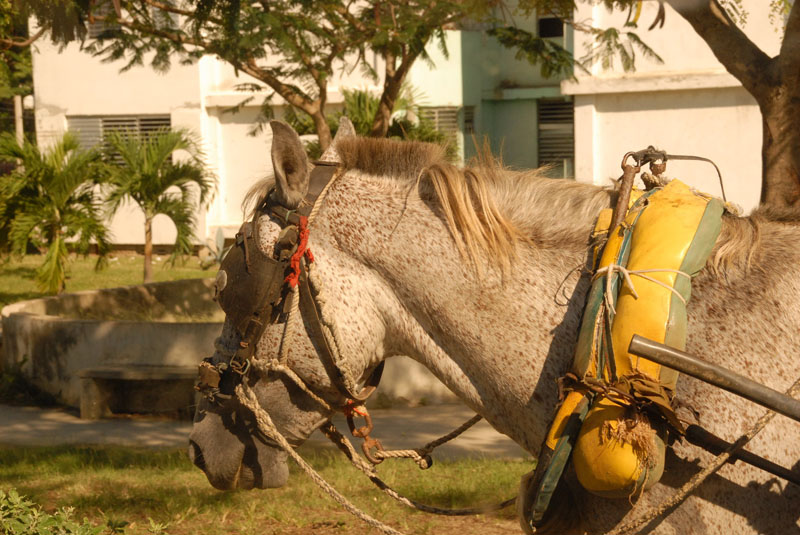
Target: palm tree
(49,200)
(143,171)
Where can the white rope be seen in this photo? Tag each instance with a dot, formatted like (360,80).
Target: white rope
(248,399)
(265,367)
(626,273)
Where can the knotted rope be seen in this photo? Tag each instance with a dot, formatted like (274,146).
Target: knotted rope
(265,425)
(420,455)
(626,273)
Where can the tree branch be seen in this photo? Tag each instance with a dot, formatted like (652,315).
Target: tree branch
(9,43)
(169,9)
(738,54)
(789,58)
(292,95)
(344,11)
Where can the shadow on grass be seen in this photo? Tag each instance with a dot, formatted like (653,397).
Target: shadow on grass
(67,460)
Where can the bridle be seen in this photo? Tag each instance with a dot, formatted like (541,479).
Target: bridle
(256,290)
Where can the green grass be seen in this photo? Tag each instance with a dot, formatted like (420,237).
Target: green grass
(17,275)
(143,487)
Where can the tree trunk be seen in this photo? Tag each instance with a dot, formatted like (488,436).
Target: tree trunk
(322,128)
(780,149)
(394,76)
(773,82)
(383,115)
(148,250)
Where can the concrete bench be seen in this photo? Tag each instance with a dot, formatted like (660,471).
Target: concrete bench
(108,390)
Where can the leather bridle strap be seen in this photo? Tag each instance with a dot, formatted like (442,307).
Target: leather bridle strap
(309,308)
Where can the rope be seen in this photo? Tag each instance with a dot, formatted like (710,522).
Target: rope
(322,194)
(691,485)
(626,273)
(248,399)
(419,455)
(266,426)
(274,365)
(289,326)
(368,469)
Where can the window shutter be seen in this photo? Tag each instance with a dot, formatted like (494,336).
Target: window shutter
(556,136)
(92,131)
(88,130)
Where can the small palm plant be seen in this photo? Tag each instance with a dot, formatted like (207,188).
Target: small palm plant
(143,171)
(49,201)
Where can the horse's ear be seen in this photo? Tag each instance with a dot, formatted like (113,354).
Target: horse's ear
(290,163)
(346,129)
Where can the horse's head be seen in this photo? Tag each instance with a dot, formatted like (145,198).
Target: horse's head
(225,442)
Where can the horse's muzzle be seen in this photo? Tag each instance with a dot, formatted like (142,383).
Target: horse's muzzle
(223,448)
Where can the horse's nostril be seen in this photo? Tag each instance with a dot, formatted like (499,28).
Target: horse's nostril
(196,455)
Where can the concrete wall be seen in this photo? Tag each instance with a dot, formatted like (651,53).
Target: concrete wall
(51,347)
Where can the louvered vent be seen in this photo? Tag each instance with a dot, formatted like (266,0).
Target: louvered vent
(557,137)
(89,130)
(92,131)
(469,119)
(444,119)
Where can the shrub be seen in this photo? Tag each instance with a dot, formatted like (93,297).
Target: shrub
(19,516)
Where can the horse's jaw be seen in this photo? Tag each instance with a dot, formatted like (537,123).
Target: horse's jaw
(231,458)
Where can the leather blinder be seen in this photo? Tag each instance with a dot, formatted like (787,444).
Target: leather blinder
(250,291)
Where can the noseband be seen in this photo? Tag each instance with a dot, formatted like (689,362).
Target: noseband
(256,290)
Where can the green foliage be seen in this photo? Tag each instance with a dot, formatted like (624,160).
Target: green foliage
(20,516)
(778,11)
(145,170)
(49,202)
(553,59)
(138,484)
(17,281)
(64,20)
(612,43)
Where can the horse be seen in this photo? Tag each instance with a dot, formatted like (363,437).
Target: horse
(479,274)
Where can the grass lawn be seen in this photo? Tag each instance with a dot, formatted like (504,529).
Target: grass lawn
(17,276)
(149,488)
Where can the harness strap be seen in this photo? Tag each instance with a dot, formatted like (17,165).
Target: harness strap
(309,308)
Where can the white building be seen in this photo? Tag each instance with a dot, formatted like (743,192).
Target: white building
(687,105)
(77,92)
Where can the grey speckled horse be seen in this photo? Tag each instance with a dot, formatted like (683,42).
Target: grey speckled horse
(463,270)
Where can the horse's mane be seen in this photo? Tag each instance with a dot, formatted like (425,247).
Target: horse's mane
(489,209)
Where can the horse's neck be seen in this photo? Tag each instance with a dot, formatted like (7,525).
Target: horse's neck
(498,341)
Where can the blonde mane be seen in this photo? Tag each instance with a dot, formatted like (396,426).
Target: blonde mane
(489,209)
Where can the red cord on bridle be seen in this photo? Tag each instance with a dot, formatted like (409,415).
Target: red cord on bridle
(293,278)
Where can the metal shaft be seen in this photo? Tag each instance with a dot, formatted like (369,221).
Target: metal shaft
(715,375)
(708,441)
